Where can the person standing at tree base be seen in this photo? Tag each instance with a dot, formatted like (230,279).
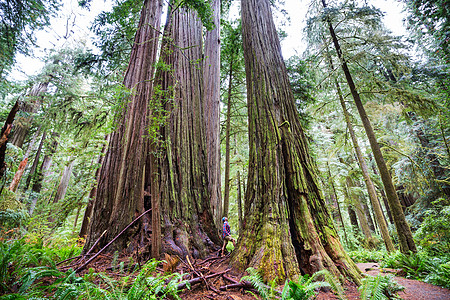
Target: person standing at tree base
(226,235)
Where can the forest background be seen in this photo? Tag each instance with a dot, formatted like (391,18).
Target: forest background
(57,141)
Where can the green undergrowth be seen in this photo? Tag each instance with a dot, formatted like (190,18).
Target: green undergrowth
(380,287)
(425,265)
(306,287)
(28,271)
(421,266)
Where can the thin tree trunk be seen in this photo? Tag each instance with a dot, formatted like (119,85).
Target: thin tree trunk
(404,232)
(239,201)
(6,129)
(353,218)
(283,194)
(63,183)
(35,163)
(211,88)
(226,197)
(370,220)
(365,171)
(15,181)
(156,207)
(120,191)
(341,219)
(364,225)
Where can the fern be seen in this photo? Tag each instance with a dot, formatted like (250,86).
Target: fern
(257,282)
(379,288)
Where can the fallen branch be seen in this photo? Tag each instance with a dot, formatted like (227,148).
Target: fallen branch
(243,284)
(199,279)
(112,241)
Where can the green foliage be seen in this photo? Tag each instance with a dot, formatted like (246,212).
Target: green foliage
(28,267)
(422,266)
(305,288)
(434,231)
(379,287)
(430,19)
(257,282)
(364,255)
(20,21)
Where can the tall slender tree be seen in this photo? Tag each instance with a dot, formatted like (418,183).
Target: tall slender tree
(404,232)
(287,227)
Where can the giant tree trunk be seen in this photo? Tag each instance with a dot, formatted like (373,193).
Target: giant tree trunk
(189,227)
(119,195)
(404,232)
(29,107)
(287,228)
(211,86)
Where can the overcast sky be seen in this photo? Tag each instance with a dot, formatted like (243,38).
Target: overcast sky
(72,25)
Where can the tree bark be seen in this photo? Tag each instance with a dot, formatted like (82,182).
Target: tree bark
(404,232)
(211,87)
(239,201)
(6,129)
(120,192)
(287,228)
(189,227)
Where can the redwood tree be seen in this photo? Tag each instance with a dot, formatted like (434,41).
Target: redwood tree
(120,190)
(287,228)
(182,164)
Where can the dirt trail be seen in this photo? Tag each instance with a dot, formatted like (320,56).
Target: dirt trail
(414,289)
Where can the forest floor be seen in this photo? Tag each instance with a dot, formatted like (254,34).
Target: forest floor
(220,280)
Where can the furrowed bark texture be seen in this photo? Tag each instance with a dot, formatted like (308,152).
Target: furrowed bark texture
(189,227)
(404,232)
(287,228)
(120,191)
(211,96)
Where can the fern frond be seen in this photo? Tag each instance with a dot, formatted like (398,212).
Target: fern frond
(257,282)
